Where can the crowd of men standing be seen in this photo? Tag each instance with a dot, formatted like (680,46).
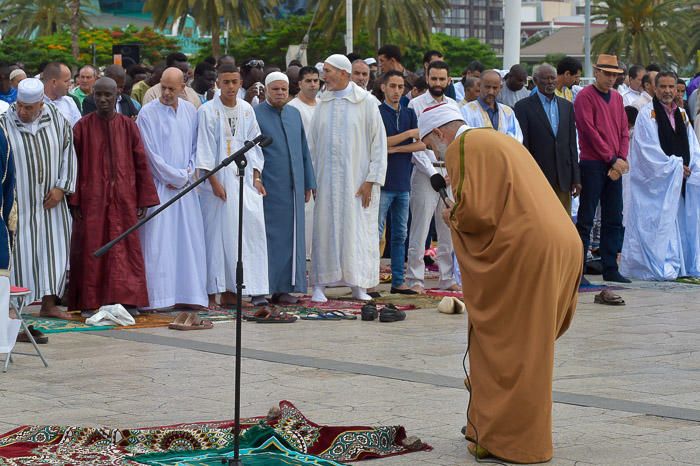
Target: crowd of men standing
(344,164)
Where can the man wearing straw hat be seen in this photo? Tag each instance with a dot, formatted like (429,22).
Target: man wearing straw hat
(604,142)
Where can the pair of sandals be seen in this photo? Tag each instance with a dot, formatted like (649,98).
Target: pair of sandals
(271,315)
(190,321)
(328,316)
(39,337)
(389,313)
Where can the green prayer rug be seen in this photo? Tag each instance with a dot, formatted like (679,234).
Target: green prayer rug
(49,325)
(272,450)
(689,280)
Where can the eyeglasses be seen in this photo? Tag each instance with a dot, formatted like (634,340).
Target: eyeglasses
(254,64)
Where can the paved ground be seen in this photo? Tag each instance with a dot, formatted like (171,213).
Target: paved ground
(627,381)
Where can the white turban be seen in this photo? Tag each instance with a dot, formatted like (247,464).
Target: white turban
(370,61)
(340,61)
(276,76)
(437,116)
(30,91)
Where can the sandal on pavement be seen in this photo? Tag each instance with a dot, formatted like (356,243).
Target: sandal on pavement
(318,315)
(39,336)
(190,321)
(343,315)
(609,298)
(276,317)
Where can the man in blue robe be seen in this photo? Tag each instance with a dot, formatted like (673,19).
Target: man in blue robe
(290,182)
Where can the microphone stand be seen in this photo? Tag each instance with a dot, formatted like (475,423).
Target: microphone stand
(241,162)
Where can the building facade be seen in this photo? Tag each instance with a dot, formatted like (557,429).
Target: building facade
(481,19)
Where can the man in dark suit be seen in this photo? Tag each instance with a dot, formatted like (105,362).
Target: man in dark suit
(549,133)
(125,105)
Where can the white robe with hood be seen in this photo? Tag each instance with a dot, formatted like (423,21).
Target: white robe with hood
(348,147)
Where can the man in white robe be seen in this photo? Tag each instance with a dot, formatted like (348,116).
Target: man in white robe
(662,192)
(46,168)
(173,242)
(225,123)
(486,112)
(349,154)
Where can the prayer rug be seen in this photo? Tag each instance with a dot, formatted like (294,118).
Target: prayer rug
(90,446)
(688,280)
(443,293)
(597,288)
(49,325)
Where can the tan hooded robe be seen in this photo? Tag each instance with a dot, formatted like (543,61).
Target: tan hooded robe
(520,258)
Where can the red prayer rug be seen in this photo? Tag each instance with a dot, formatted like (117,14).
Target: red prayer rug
(90,446)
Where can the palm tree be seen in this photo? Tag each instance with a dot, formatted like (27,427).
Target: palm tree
(210,15)
(646,31)
(411,19)
(26,18)
(75,28)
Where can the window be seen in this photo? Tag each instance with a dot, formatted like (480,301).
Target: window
(495,14)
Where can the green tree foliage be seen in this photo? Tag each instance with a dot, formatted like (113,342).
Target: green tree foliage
(412,19)
(57,47)
(646,31)
(210,15)
(26,18)
(271,44)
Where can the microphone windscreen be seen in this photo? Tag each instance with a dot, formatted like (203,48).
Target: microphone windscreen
(438,182)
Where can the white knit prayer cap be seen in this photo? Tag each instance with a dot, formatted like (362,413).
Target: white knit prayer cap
(340,61)
(276,76)
(30,91)
(437,116)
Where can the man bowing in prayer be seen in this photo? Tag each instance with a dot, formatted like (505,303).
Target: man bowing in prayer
(662,191)
(507,221)
(114,189)
(173,242)
(350,157)
(290,176)
(225,123)
(41,140)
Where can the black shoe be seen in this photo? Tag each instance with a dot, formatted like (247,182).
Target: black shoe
(369,311)
(390,313)
(614,276)
(585,282)
(402,291)
(374,294)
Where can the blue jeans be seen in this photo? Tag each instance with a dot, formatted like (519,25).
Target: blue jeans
(395,203)
(598,187)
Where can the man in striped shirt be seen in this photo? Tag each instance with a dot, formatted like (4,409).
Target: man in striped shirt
(42,144)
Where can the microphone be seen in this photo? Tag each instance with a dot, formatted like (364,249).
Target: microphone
(265,141)
(439,185)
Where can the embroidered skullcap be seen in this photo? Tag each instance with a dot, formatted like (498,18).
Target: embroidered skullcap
(340,61)
(437,116)
(30,91)
(276,76)
(16,73)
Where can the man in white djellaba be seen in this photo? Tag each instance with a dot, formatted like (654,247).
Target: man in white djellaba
(662,191)
(349,153)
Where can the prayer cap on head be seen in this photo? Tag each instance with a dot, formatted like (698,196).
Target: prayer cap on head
(276,76)
(437,116)
(16,73)
(370,61)
(340,61)
(30,91)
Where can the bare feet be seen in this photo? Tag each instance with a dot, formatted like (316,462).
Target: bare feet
(228,299)
(49,308)
(193,307)
(453,287)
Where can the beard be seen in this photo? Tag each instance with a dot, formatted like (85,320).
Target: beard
(437,91)
(439,149)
